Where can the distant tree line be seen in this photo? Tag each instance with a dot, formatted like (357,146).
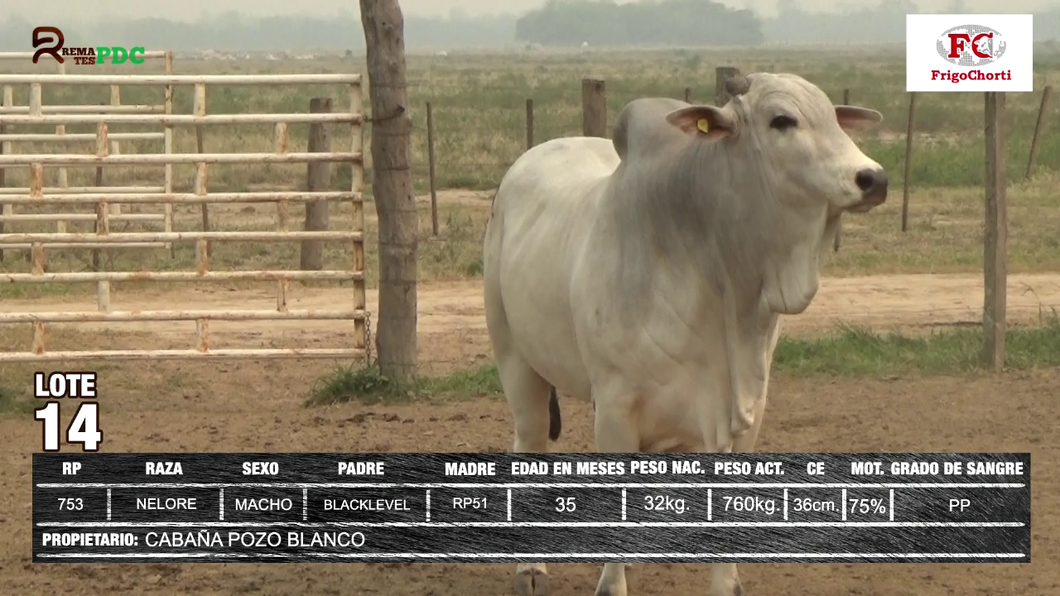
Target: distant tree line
(669,22)
(883,23)
(686,23)
(237,32)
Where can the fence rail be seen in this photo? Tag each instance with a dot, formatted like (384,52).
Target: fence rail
(172,79)
(215,276)
(80,217)
(188,354)
(181,119)
(36,108)
(173,158)
(83,109)
(59,194)
(178,236)
(92,196)
(180,315)
(37,193)
(79,137)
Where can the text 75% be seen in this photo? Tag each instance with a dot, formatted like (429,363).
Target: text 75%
(768,506)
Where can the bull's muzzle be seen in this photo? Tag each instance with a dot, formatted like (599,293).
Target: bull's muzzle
(873,185)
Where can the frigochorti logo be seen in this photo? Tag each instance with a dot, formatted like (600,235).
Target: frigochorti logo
(54,45)
(989,53)
(971,46)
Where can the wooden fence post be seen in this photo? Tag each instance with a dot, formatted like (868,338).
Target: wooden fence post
(199,108)
(318,179)
(95,225)
(1039,129)
(846,97)
(167,147)
(722,74)
(688,95)
(395,197)
(909,128)
(3,182)
(594,108)
(115,100)
(430,169)
(529,123)
(6,147)
(995,237)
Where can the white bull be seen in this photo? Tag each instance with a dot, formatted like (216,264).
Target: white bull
(648,274)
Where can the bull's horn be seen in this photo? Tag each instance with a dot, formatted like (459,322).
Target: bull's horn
(738,85)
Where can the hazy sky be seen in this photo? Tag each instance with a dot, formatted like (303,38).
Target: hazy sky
(191,9)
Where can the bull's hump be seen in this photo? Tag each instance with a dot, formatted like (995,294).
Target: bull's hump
(641,128)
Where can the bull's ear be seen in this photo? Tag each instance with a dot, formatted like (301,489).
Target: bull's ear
(706,122)
(855,119)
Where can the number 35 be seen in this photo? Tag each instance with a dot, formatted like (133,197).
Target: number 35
(565,504)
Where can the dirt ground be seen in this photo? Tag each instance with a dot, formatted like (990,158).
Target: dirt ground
(453,324)
(256,406)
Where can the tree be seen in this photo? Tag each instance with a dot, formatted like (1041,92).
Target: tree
(666,22)
(395,198)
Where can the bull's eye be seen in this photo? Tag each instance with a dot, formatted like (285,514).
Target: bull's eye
(783,123)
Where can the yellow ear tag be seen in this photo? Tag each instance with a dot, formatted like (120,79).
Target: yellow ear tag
(703,125)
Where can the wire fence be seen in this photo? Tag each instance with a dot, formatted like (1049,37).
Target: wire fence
(476,141)
(924,155)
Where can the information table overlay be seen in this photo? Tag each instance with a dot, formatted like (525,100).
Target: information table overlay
(433,507)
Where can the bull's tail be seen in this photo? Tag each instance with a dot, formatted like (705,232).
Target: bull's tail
(555,422)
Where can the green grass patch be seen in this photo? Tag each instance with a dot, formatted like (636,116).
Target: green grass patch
(853,351)
(11,403)
(351,383)
(475,382)
(368,385)
(847,352)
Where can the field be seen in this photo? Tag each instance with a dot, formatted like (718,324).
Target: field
(884,360)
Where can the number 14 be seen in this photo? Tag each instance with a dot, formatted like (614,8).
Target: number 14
(83,429)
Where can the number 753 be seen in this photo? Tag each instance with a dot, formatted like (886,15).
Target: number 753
(83,429)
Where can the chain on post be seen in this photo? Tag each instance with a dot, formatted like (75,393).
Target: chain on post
(367,338)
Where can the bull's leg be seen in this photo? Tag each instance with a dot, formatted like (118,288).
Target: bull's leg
(615,433)
(527,394)
(725,579)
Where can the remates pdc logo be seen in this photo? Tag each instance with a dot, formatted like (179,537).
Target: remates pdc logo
(971,45)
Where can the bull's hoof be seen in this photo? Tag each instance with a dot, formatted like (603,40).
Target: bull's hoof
(736,590)
(531,582)
(612,585)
